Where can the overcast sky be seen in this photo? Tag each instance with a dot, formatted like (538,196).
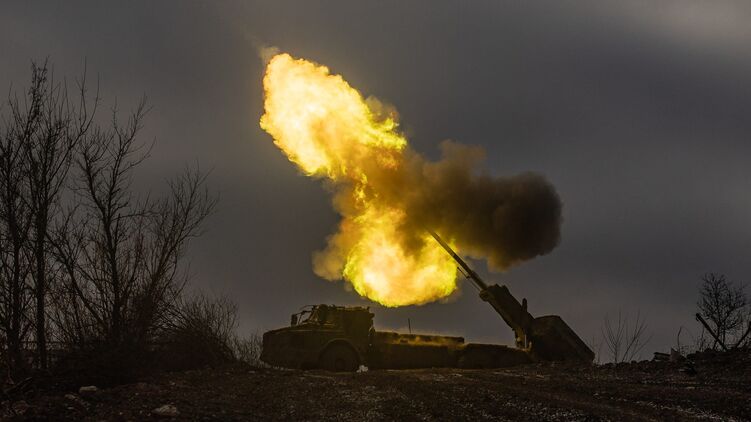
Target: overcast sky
(638,112)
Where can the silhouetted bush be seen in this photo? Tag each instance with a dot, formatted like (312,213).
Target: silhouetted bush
(624,339)
(104,364)
(200,332)
(248,349)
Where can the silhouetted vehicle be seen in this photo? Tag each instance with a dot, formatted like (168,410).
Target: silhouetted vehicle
(343,338)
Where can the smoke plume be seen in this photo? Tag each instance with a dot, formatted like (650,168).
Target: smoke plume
(388,195)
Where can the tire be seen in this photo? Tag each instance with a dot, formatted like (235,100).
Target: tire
(339,358)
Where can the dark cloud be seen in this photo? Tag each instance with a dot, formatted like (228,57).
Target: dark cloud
(637,114)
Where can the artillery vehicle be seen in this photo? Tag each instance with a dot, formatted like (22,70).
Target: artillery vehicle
(341,338)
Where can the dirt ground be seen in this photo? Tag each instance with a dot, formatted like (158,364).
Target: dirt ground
(711,387)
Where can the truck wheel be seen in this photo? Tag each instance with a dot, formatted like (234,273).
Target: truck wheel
(339,358)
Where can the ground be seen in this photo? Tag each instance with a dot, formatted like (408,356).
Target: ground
(712,387)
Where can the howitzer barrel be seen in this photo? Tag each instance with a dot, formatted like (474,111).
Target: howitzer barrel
(467,270)
(514,313)
(547,337)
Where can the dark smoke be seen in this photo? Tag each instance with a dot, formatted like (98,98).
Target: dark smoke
(505,220)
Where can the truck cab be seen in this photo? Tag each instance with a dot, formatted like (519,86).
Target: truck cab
(321,336)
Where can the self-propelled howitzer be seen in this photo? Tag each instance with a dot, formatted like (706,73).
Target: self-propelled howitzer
(546,338)
(342,338)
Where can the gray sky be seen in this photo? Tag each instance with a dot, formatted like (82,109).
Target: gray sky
(638,112)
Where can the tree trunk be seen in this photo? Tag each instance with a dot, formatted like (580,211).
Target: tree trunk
(41,292)
(14,333)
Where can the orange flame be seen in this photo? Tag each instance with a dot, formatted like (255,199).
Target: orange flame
(330,131)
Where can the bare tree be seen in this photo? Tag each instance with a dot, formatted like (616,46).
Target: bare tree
(120,254)
(15,220)
(723,305)
(624,340)
(58,125)
(83,259)
(38,136)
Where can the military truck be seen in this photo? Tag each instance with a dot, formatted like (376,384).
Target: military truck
(339,338)
(343,338)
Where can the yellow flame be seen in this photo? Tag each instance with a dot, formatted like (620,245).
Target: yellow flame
(329,130)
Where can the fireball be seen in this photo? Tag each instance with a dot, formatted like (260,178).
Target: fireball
(329,131)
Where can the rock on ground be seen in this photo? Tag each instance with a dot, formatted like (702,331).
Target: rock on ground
(166,411)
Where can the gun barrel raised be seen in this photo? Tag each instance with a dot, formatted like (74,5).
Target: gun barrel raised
(547,337)
(467,270)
